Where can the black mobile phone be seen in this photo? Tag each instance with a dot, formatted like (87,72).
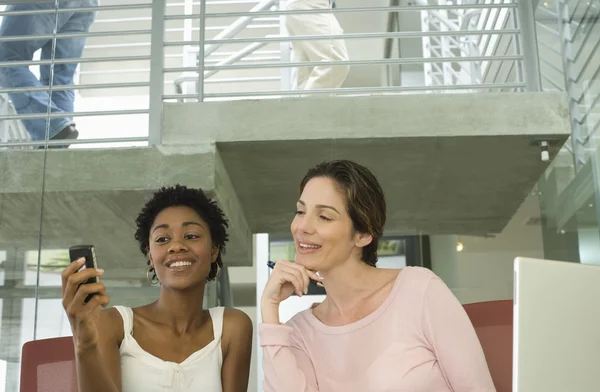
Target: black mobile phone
(87,251)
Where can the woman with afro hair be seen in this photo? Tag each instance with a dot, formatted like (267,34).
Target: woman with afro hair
(171,344)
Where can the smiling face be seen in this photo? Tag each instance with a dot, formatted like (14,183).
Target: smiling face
(322,229)
(181,248)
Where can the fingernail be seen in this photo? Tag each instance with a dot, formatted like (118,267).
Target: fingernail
(305,291)
(81,260)
(320,284)
(100,271)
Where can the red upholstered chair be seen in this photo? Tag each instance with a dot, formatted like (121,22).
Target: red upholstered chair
(493,322)
(48,365)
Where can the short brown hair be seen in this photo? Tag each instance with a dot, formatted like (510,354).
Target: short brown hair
(365,201)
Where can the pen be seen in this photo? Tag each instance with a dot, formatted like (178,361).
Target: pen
(271,265)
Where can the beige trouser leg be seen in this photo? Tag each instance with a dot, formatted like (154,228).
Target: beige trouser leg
(317,77)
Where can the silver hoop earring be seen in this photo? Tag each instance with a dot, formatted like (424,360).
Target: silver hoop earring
(152,280)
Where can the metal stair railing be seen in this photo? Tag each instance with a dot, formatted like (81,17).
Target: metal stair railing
(11,130)
(571,34)
(124,70)
(133,68)
(498,16)
(569,41)
(241,23)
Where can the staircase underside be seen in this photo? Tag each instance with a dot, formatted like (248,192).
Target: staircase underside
(456,163)
(460,164)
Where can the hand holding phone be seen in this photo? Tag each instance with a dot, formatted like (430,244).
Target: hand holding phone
(83,295)
(89,254)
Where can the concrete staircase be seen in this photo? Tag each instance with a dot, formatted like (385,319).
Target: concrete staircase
(449,164)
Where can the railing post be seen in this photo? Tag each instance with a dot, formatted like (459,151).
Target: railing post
(157,85)
(201,50)
(528,45)
(285,52)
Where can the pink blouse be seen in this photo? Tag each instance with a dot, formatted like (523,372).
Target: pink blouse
(419,340)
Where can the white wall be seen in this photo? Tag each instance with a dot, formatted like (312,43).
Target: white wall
(589,246)
(483,271)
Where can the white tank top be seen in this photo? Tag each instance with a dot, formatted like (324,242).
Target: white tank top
(142,371)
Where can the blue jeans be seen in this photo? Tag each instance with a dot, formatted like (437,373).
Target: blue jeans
(66,48)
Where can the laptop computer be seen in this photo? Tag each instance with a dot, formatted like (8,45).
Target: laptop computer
(556,345)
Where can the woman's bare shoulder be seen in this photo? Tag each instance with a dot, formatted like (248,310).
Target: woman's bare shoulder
(111,324)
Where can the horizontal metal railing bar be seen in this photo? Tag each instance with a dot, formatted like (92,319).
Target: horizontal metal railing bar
(256,52)
(118,46)
(111,71)
(214,2)
(251,26)
(73,87)
(28,63)
(392,61)
(411,8)
(75,141)
(73,114)
(100,8)
(361,90)
(18,38)
(415,60)
(137,70)
(135,58)
(402,34)
(243,80)
(149,19)
(124,19)
(246,59)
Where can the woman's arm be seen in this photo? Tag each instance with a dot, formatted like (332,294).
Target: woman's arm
(286,364)
(287,367)
(99,365)
(95,333)
(237,337)
(454,341)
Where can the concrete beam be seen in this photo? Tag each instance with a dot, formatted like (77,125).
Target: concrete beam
(240,235)
(369,117)
(449,163)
